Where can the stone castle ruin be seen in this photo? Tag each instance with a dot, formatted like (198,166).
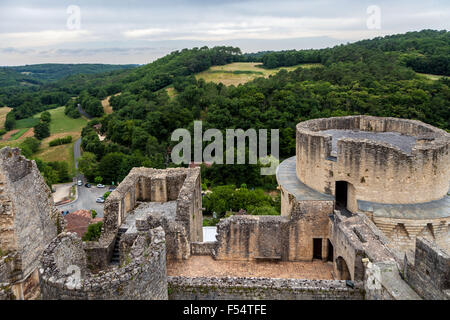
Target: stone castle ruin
(28,222)
(364,206)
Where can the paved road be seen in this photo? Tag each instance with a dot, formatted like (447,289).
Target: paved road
(77,152)
(86,196)
(82,112)
(86,200)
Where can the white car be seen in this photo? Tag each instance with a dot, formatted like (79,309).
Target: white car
(80,183)
(100,185)
(100,200)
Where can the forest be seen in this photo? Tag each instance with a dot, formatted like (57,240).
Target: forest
(374,77)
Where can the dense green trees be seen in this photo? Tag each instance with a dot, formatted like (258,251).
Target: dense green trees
(10,122)
(29,146)
(228,198)
(427,51)
(139,129)
(42,129)
(374,77)
(54,172)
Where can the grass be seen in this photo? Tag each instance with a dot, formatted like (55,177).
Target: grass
(61,123)
(18,134)
(60,126)
(26,123)
(171,92)
(242,72)
(431,76)
(3,112)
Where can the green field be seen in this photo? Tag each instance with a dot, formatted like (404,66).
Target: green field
(60,126)
(431,76)
(242,72)
(18,134)
(26,123)
(61,123)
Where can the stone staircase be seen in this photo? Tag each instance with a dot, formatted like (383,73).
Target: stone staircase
(115,260)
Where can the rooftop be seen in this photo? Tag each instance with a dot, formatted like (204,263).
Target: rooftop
(418,211)
(401,141)
(287,178)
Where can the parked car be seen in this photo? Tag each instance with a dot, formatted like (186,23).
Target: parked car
(87,185)
(80,183)
(111,189)
(100,200)
(100,185)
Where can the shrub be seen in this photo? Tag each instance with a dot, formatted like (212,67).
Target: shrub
(106,194)
(42,130)
(98,179)
(60,141)
(93,232)
(210,222)
(93,213)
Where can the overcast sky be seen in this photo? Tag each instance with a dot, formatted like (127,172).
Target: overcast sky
(121,31)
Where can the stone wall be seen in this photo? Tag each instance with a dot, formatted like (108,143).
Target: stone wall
(289,237)
(354,238)
(309,220)
(177,241)
(28,221)
(26,209)
(403,232)
(154,185)
(142,274)
(376,171)
(183,288)
(250,237)
(203,248)
(429,274)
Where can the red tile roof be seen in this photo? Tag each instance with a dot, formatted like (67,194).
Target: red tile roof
(79,221)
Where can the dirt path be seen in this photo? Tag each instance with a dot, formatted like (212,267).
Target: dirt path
(106,106)
(29,133)
(8,135)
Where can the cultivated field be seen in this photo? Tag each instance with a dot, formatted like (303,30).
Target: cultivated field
(60,126)
(242,72)
(3,112)
(63,124)
(431,76)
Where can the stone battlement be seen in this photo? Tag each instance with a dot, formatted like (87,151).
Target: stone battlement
(142,275)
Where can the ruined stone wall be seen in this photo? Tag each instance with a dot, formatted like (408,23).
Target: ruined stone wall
(308,221)
(362,253)
(146,184)
(377,171)
(142,275)
(355,238)
(183,288)
(26,210)
(189,206)
(403,232)
(289,237)
(203,248)
(250,237)
(429,274)
(177,242)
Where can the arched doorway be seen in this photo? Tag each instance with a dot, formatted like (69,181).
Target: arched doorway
(342,269)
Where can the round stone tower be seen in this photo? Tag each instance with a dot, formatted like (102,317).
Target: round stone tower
(396,171)
(383,160)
